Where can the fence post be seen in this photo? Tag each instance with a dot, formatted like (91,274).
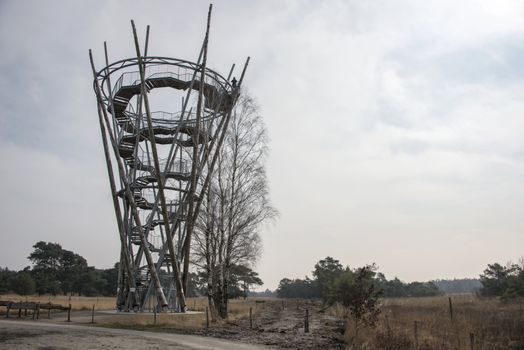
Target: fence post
(154,315)
(416,335)
(207,317)
(38,311)
(251,317)
(8,309)
(450,309)
(283,307)
(306,322)
(93,314)
(472,341)
(49,311)
(25,312)
(34,312)
(69,313)
(388,328)
(19,313)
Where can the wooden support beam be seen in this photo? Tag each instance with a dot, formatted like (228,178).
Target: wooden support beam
(104,118)
(128,262)
(195,165)
(158,173)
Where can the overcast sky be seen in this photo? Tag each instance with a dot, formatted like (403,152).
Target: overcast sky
(396,127)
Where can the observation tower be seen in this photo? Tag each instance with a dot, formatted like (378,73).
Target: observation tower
(159,163)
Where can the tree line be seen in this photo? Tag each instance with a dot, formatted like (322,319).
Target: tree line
(497,280)
(458,286)
(329,271)
(58,271)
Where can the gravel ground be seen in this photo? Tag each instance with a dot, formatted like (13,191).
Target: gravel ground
(273,326)
(282,328)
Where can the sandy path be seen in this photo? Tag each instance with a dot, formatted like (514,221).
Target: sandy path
(16,334)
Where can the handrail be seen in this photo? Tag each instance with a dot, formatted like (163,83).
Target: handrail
(177,166)
(169,119)
(133,78)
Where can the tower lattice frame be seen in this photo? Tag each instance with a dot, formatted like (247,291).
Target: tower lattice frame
(159,164)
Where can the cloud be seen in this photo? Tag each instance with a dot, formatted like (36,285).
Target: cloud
(395,127)
(47,197)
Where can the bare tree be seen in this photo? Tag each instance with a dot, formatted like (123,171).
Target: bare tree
(235,206)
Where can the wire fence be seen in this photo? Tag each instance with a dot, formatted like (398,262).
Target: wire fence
(453,334)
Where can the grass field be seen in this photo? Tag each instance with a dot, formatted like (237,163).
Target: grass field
(404,324)
(237,309)
(77,303)
(475,323)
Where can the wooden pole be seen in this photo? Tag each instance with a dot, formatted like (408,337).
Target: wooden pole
(8,309)
(283,305)
(160,180)
(154,314)
(207,317)
(388,328)
(102,114)
(416,334)
(472,341)
(450,309)
(49,311)
(185,245)
(37,311)
(25,312)
(223,125)
(34,312)
(93,314)
(20,313)
(306,322)
(69,313)
(171,155)
(251,317)
(128,262)
(194,163)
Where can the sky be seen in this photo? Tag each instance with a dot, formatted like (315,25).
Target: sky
(396,127)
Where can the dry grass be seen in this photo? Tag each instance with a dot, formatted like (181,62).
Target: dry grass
(237,309)
(493,323)
(77,303)
(236,306)
(146,320)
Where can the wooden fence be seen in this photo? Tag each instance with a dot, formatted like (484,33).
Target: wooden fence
(35,307)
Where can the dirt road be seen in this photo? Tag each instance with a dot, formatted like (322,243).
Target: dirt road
(24,334)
